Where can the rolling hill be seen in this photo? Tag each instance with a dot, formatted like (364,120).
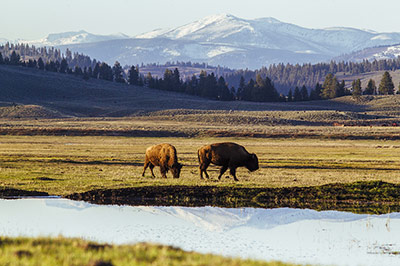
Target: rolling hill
(372,53)
(69,95)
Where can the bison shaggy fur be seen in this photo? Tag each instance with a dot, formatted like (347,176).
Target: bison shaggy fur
(165,156)
(228,155)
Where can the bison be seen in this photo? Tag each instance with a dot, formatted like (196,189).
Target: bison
(228,155)
(165,156)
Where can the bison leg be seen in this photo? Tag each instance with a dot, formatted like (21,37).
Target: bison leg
(146,164)
(203,169)
(163,171)
(151,170)
(232,170)
(222,171)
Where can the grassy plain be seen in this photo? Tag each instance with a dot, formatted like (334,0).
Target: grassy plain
(62,251)
(61,165)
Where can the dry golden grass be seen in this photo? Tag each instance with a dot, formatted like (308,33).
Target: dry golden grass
(62,165)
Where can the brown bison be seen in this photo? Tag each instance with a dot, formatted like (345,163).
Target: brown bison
(228,155)
(162,155)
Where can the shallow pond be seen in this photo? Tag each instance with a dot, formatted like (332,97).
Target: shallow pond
(290,235)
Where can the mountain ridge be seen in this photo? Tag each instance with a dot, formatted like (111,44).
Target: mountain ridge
(224,40)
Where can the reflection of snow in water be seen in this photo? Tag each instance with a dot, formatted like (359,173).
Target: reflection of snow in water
(301,236)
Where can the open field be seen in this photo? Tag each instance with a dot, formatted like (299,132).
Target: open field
(64,251)
(61,135)
(64,165)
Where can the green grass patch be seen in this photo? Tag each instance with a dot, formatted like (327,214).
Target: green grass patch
(64,251)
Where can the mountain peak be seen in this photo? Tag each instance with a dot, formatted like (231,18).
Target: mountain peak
(221,16)
(269,20)
(73,37)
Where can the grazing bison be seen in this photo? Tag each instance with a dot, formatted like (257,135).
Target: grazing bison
(164,156)
(228,155)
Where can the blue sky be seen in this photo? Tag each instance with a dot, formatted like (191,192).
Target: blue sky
(33,19)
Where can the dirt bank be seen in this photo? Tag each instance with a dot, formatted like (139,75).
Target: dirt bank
(360,197)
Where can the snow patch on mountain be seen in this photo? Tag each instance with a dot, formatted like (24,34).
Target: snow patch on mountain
(73,37)
(381,37)
(220,50)
(171,52)
(371,54)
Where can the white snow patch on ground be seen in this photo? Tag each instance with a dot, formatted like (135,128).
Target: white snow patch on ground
(290,235)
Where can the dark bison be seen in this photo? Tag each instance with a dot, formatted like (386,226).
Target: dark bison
(228,155)
(162,155)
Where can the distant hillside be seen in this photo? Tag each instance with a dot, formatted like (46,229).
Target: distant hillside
(372,53)
(67,95)
(365,77)
(186,70)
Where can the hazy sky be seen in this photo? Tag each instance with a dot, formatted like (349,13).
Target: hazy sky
(34,19)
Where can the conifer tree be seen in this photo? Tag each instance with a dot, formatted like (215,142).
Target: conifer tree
(386,86)
(133,76)
(371,88)
(63,66)
(330,87)
(176,80)
(356,88)
(223,92)
(304,93)
(290,96)
(167,82)
(85,74)
(78,71)
(315,94)
(341,91)
(118,73)
(240,89)
(248,90)
(149,81)
(141,82)
(96,71)
(40,63)
(296,95)
(14,58)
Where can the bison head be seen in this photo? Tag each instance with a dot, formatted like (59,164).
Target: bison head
(176,170)
(252,163)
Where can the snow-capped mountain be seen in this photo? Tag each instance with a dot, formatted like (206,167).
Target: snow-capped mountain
(73,37)
(3,40)
(374,53)
(225,40)
(273,34)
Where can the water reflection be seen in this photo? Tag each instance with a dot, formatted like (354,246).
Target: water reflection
(294,235)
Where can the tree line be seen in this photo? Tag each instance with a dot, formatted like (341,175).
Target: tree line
(70,64)
(261,89)
(288,76)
